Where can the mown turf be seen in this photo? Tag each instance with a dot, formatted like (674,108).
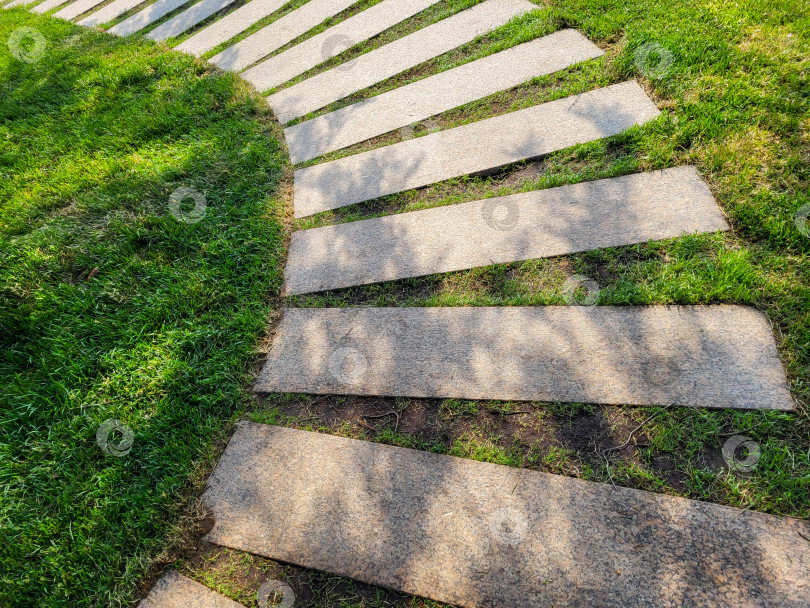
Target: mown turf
(94,138)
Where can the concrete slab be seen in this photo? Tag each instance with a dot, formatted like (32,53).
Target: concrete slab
(110,12)
(475,534)
(42,8)
(277,34)
(436,94)
(229,26)
(77,8)
(338,38)
(472,148)
(699,356)
(146,17)
(187,19)
(545,223)
(172,590)
(395,57)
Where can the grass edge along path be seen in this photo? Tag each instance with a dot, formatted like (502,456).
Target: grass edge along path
(114,306)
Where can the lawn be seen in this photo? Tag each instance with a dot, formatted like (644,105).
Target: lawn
(96,137)
(121,298)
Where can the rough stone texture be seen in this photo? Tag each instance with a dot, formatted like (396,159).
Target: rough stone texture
(77,8)
(476,534)
(436,94)
(146,17)
(558,221)
(176,591)
(472,148)
(277,34)
(333,41)
(43,8)
(701,356)
(109,12)
(395,57)
(187,19)
(229,26)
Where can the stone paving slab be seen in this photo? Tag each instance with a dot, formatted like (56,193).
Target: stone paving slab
(109,12)
(700,356)
(43,8)
(187,19)
(277,34)
(476,534)
(472,148)
(146,17)
(395,57)
(77,8)
(338,38)
(173,590)
(436,94)
(545,223)
(229,26)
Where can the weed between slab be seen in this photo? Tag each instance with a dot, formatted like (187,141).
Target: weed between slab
(101,131)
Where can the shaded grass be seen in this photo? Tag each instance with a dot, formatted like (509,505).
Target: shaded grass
(95,138)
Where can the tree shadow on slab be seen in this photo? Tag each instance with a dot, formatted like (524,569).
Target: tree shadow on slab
(475,534)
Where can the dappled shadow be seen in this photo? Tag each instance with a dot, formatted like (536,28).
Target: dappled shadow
(476,534)
(546,223)
(588,545)
(701,356)
(555,438)
(471,149)
(431,96)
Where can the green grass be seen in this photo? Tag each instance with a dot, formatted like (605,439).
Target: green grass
(95,138)
(99,133)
